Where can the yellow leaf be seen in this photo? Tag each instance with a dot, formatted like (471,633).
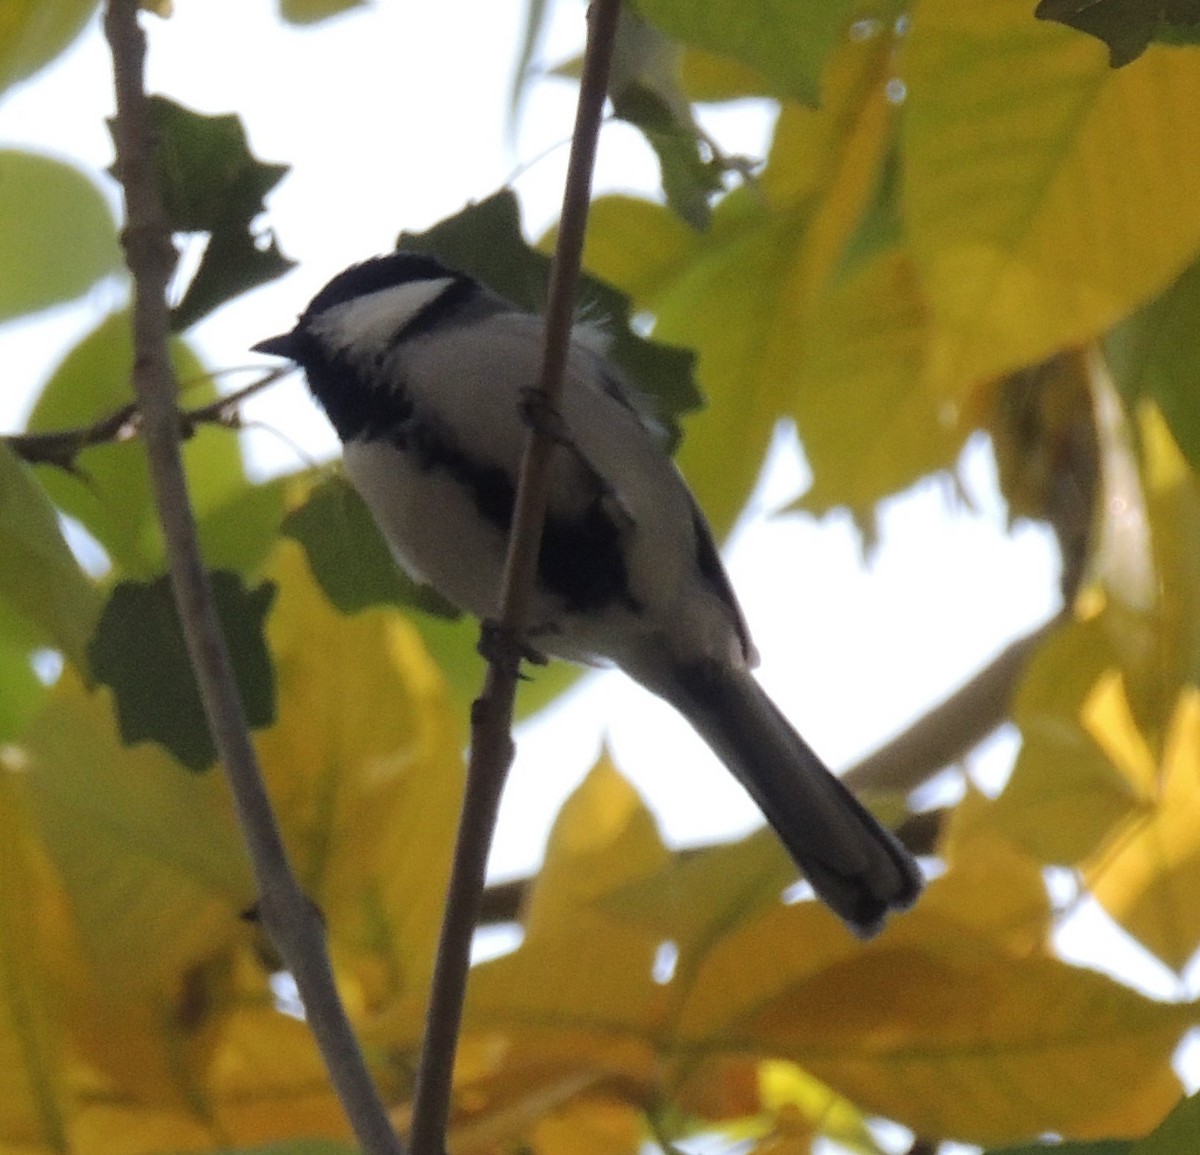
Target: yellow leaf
(641,247)
(110,1126)
(984,1049)
(954,1022)
(595,1127)
(364,764)
(172,1038)
(153,880)
(1106,718)
(1047,193)
(741,293)
(1173,503)
(266,1081)
(756,961)
(699,899)
(604,839)
(791,1093)
(1148,877)
(1065,795)
(149,853)
(569,1010)
(557,1121)
(871,424)
(32,1095)
(992,888)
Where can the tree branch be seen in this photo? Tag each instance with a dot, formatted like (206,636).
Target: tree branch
(289,918)
(491,719)
(62,446)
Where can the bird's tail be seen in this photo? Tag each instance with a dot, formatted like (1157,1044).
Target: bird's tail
(859,869)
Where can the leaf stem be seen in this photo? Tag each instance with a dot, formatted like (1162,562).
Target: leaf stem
(294,924)
(491,718)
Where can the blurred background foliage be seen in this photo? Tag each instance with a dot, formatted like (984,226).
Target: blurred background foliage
(969,222)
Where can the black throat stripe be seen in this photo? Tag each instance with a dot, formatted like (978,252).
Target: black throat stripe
(581,559)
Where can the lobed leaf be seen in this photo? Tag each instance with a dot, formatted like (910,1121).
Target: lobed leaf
(1126,26)
(139,652)
(211,183)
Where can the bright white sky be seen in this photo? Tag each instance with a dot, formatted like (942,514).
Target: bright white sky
(393,118)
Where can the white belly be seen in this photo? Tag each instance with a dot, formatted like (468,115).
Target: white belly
(431,524)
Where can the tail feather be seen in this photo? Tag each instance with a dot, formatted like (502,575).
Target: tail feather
(859,869)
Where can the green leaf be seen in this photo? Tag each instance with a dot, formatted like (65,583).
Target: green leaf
(57,235)
(536,12)
(233,263)
(312,11)
(1126,26)
(238,532)
(644,86)
(149,857)
(213,184)
(139,651)
(23,690)
(689,177)
(40,580)
(710,78)
(485,241)
(882,225)
(355,569)
(1100,1147)
(1155,353)
(34,32)
(348,556)
(209,176)
(752,294)
(1176,1135)
(111,495)
(784,41)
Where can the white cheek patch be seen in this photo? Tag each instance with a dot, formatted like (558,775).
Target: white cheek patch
(369,323)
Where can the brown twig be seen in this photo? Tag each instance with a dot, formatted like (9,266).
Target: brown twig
(288,916)
(62,446)
(491,720)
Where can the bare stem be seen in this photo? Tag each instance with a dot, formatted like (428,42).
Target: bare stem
(491,719)
(62,446)
(288,916)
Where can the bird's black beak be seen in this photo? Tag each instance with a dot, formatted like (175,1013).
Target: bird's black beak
(285,345)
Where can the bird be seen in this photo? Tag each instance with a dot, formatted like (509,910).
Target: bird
(426,376)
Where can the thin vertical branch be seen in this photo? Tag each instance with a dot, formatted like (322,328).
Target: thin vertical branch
(289,918)
(491,720)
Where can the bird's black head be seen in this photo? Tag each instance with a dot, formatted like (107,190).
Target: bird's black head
(359,280)
(376,274)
